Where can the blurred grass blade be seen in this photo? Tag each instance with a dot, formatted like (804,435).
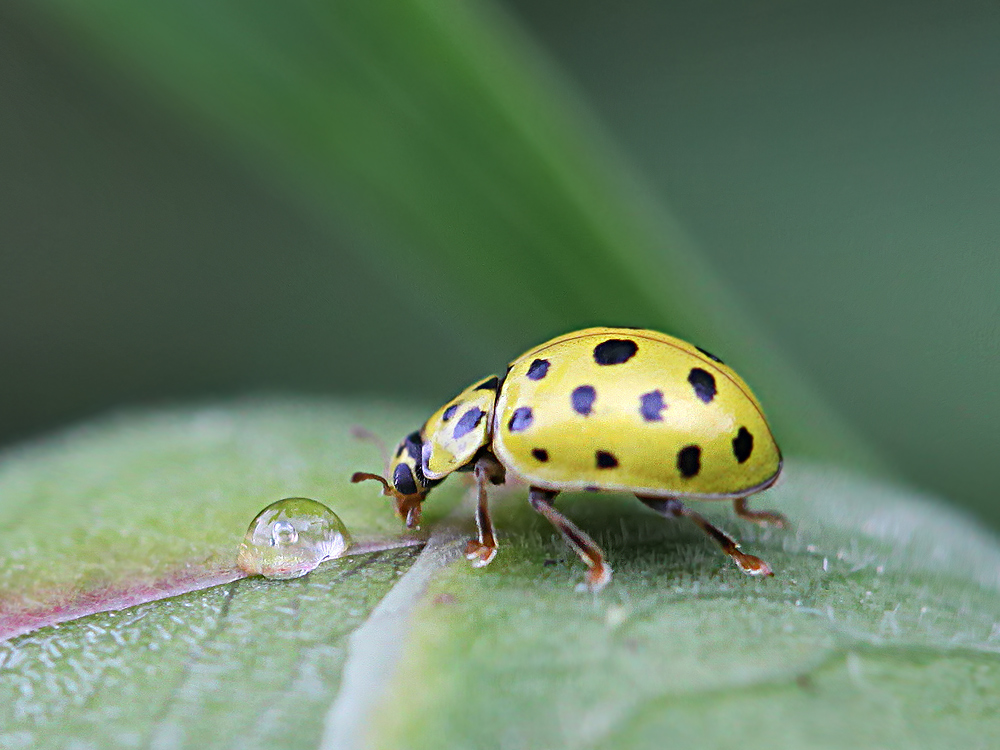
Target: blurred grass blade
(435,134)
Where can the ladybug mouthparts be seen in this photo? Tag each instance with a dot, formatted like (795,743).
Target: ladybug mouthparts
(407,506)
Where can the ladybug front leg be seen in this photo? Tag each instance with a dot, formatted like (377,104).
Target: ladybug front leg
(600,572)
(672,508)
(483,549)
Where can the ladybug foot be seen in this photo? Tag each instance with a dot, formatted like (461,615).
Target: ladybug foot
(751,565)
(597,578)
(479,554)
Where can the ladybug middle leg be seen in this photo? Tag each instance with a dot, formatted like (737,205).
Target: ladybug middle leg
(600,572)
(481,551)
(671,507)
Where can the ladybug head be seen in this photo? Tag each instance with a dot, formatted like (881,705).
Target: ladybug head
(409,486)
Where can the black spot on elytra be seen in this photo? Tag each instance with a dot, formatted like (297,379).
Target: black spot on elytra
(449,412)
(413,445)
(650,406)
(538,370)
(489,385)
(402,478)
(582,399)
(689,461)
(614,351)
(703,384)
(743,445)
(521,419)
(710,355)
(468,422)
(605,460)
(540,454)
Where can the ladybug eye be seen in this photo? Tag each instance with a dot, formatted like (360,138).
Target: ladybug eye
(403,480)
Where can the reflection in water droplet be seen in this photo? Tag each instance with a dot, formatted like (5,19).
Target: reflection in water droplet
(291,537)
(283,534)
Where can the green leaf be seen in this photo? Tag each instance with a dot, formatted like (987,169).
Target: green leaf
(160,503)
(139,507)
(880,627)
(253,663)
(434,135)
(881,622)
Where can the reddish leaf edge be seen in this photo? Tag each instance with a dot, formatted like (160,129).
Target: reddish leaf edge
(66,605)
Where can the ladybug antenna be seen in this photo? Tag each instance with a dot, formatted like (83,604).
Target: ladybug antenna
(387,489)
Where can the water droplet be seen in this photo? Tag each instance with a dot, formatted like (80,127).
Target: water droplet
(291,537)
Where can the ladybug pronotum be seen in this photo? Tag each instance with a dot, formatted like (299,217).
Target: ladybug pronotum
(610,409)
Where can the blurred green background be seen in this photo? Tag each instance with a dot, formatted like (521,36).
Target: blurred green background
(168,234)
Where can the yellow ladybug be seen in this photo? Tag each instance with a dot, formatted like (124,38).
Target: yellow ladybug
(612,409)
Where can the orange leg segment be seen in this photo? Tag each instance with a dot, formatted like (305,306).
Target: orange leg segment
(673,508)
(760,517)
(599,572)
(481,550)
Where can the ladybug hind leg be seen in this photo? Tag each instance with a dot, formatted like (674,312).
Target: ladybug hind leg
(760,517)
(599,572)
(673,508)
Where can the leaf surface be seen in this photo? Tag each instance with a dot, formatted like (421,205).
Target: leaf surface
(137,507)
(882,621)
(437,137)
(881,626)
